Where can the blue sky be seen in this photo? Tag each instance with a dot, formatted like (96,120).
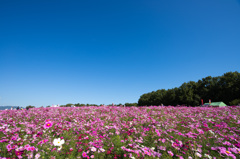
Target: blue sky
(102,52)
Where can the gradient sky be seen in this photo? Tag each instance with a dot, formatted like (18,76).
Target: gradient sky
(112,51)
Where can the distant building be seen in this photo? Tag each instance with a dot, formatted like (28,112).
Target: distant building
(215,104)
(55,105)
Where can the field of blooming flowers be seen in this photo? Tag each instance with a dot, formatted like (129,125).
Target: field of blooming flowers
(118,132)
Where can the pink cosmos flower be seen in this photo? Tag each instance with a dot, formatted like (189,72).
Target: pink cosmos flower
(27,146)
(14,147)
(37,156)
(47,120)
(228,153)
(18,153)
(48,125)
(199,150)
(227,143)
(162,148)
(130,155)
(198,154)
(92,156)
(170,153)
(84,154)
(9,147)
(31,148)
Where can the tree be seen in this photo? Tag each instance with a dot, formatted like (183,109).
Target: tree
(144,99)
(130,104)
(30,106)
(224,88)
(235,102)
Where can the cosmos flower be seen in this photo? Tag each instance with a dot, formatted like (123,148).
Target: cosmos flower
(208,156)
(198,154)
(93,149)
(27,146)
(32,148)
(170,153)
(18,153)
(47,125)
(37,156)
(48,120)
(9,147)
(102,150)
(58,142)
(59,148)
(84,154)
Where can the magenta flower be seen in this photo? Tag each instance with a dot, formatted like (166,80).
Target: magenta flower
(14,138)
(48,120)
(48,125)
(31,148)
(9,147)
(84,154)
(14,146)
(18,153)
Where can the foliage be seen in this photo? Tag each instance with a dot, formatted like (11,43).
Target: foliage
(225,88)
(235,102)
(130,104)
(30,106)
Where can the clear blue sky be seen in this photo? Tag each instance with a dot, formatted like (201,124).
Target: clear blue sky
(108,51)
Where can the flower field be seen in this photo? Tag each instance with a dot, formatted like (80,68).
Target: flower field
(118,132)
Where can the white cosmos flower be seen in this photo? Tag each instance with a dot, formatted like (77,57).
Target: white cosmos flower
(208,156)
(101,149)
(93,149)
(58,142)
(211,131)
(59,148)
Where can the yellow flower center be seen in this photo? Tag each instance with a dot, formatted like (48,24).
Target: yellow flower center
(227,152)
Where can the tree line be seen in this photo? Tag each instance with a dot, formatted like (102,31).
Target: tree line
(225,88)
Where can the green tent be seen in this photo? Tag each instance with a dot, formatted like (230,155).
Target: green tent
(217,104)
